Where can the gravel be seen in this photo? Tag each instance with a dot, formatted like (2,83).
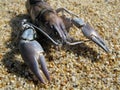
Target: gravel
(81,67)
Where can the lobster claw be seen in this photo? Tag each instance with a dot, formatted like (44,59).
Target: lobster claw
(32,52)
(91,34)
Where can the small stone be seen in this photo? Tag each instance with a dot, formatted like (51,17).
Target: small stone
(75,85)
(73,78)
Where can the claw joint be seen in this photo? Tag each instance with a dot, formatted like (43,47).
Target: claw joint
(25,24)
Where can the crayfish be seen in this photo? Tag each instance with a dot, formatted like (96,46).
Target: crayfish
(49,23)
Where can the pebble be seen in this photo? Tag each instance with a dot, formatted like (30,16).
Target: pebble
(70,69)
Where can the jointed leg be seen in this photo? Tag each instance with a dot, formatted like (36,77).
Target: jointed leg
(67,11)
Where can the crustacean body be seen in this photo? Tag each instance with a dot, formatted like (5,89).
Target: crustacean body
(47,21)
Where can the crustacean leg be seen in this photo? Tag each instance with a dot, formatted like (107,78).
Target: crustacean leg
(87,30)
(32,52)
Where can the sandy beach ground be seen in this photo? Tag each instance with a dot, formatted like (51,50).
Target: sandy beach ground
(80,67)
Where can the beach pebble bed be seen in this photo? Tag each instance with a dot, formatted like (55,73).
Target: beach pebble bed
(79,67)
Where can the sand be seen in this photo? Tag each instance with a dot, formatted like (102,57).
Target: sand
(80,67)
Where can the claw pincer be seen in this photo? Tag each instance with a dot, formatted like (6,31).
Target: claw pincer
(32,53)
(90,33)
